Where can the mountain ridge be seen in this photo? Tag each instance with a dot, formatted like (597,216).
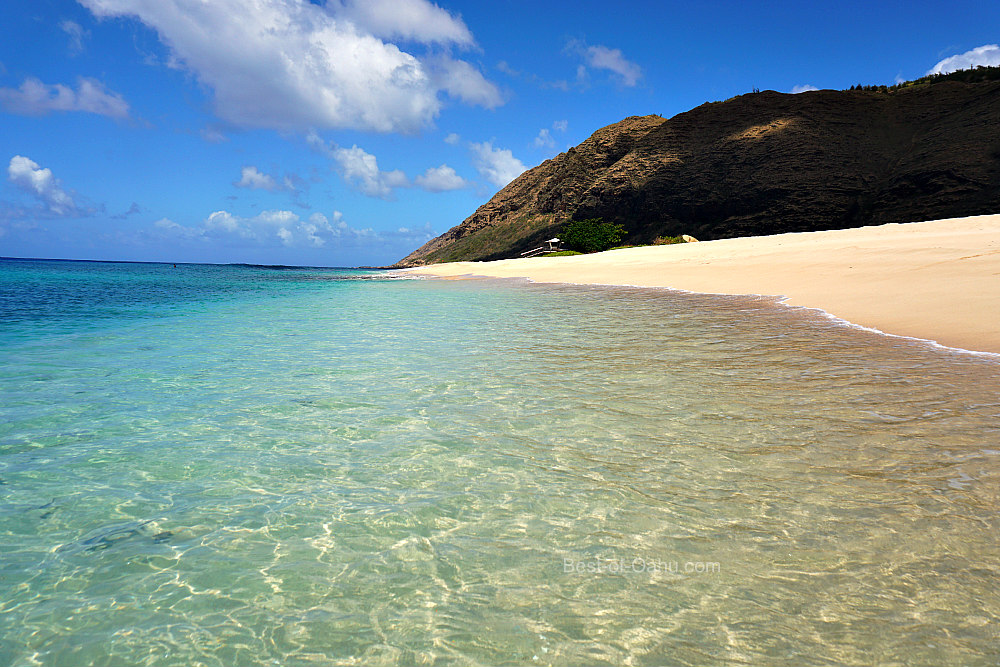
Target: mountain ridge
(757,164)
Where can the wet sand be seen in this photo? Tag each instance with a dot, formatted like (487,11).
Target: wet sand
(937,280)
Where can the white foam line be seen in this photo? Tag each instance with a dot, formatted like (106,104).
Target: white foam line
(854,325)
(780,300)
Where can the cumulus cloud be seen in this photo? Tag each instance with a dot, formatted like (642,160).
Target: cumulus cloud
(281,228)
(440,179)
(76,34)
(987,55)
(35,98)
(452,139)
(317,143)
(804,88)
(251,177)
(172,229)
(360,170)
(295,65)
(602,57)
(270,228)
(497,165)
(544,139)
(41,184)
(463,81)
(414,20)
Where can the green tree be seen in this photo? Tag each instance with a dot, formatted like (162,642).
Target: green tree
(592,235)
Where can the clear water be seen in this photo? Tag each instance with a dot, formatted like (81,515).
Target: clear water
(225,465)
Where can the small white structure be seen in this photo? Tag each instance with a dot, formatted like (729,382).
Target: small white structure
(552,245)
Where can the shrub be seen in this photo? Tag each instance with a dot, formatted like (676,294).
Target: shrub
(592,235)
(561,253)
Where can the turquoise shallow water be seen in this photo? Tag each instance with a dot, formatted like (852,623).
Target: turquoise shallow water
(240,465)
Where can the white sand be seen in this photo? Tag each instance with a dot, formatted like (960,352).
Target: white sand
(937,280)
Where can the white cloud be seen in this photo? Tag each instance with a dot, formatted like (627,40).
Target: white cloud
(277,228)
(544,139)
(223,221)
(804,88)
(317,143)
(497,165)
(251,178)
(440,179)
(452,139)
(171,228)
(76,34)
(360,169)
(987,55)
(270,228)
(463,81)
(41,184)
(601,57)
(294,65)
(415,20)
(35,98)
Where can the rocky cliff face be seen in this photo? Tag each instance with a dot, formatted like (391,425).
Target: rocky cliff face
(762,163)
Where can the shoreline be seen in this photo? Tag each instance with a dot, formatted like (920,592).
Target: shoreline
(937,280)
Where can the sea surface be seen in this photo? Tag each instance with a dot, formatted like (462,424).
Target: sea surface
(245,465)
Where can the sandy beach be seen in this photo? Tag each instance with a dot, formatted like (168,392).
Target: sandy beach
(936,280)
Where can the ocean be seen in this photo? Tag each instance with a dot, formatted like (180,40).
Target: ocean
(245,465)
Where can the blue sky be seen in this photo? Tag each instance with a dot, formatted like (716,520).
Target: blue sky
(349,132)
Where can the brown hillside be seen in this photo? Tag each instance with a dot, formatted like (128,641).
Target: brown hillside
(762,163)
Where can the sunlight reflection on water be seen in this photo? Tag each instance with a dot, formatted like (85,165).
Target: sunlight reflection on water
(419,472)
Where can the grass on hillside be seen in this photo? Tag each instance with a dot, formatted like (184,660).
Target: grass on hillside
(975,75)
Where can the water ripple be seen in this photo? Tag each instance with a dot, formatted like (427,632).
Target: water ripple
(421,472)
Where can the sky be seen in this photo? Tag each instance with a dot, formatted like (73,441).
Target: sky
(350,132)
